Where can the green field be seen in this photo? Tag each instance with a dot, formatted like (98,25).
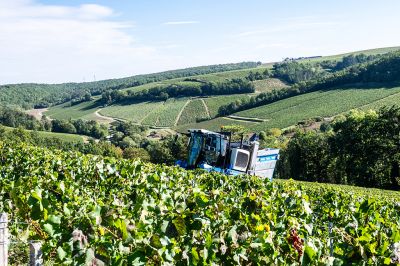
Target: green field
(62,136)
(213,103)
(390,100)
(164,114)
(267,85)
(133,112)
(290,111)
(281,114)
(167,115)
(194,110)
(83,110)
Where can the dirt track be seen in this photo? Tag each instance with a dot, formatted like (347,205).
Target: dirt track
(102,118)
(37,113)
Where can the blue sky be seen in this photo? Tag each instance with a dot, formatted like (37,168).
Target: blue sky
(79,40)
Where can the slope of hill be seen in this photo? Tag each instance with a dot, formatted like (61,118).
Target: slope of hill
(61,136)
(83,110)
(28,95)
(288,112)
(375,51)
(189,111)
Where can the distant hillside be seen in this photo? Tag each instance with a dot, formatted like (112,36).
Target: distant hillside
(44,95)
(313,105)
(200,109)
(385,69)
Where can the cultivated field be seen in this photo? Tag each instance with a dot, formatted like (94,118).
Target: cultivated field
(133,112)
(290,111)
(83,110)
(193,111)
(281,114)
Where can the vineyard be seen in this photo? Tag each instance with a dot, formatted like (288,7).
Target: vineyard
(152,112)
(89,210)
(83,110)
(134,112)
(288,112)
(193,111)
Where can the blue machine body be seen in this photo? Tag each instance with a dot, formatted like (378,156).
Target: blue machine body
(214,152)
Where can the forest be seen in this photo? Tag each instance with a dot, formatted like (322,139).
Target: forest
(359,148)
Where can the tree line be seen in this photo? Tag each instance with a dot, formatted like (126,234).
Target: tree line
(385,69)
(127,141)
(347,61)
(361,148)
(162,93)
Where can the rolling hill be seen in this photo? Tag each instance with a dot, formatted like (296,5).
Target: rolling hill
(43,95)
(202,112)
(288,112)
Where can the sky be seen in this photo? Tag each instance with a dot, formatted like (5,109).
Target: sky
(54,41)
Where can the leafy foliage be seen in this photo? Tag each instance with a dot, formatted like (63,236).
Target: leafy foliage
(362,149)
(90,209)
(293,72)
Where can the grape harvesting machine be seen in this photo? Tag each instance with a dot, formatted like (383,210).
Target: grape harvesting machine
(216,151)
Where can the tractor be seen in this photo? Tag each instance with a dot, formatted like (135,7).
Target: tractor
(218,152)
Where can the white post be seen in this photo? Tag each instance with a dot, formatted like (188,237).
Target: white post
(35,254)
(330,239)
(3,239)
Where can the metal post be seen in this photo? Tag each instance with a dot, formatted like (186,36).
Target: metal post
(3,239)
(35,253)
(330,239)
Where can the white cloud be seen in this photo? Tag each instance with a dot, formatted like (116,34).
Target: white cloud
(181,22)
(49,43)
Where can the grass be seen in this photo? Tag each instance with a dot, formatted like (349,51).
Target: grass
(62,136)
(213,103)
(83,110)
(193,111)
(390,100)
(267,85)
